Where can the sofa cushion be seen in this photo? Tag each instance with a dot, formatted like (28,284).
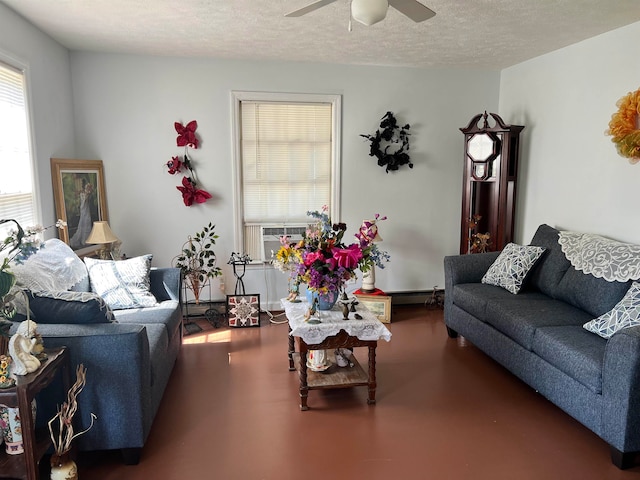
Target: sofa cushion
(549,270)
(518,317)
(512,266)
(626,313)
(573,351)
(165,313)
(594,295)
(69,307)
(122,284)
(474,297)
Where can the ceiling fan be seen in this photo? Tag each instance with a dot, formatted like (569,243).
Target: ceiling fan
(369,12)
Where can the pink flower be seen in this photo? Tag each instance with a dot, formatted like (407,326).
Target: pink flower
(191,194)
(348,257)
(311,257)
(187,135)
(174,165)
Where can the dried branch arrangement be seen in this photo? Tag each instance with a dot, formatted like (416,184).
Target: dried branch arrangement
(62,422)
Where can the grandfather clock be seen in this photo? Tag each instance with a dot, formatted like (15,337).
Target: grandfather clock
(489,184)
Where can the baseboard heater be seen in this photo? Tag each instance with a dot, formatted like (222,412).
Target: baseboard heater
(423,297)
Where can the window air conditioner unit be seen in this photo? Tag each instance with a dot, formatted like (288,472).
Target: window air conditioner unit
(271,237)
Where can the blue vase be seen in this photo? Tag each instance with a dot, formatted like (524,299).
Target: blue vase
(326,301)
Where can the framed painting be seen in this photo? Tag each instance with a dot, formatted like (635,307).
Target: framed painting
(243,310)
(79,195)
(379,305)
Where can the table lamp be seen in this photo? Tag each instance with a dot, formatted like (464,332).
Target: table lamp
(101,234)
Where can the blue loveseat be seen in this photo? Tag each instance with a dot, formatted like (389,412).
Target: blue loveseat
(129,353)
(538,335)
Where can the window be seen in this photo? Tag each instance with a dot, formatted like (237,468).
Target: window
(286,164)
(16,181)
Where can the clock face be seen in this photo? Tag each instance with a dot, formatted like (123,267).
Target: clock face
(482,147)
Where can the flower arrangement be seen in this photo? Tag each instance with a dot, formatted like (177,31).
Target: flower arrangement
(189,188)
(478,242)
(624,127)
(322,260)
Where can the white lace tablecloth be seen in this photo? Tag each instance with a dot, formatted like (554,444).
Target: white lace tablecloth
(601,257)
(368,329)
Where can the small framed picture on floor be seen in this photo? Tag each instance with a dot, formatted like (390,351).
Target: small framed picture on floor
(243,310)
(379,305)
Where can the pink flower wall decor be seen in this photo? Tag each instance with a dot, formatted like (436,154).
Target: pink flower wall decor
(187,138)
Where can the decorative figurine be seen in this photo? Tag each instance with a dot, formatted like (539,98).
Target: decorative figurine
(347,305)
(343,357)
(21,348)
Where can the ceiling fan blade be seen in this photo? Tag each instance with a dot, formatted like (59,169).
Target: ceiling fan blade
(413,9)
(309,8)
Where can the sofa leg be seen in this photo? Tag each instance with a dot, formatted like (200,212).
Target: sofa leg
(622,460)
(452,333)
(131,456)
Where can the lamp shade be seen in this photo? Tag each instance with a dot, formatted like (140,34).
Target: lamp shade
(101,233)
(369,12)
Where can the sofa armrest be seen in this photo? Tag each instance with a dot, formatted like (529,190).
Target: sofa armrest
(621,390)
(165,283)
(118,387)
(464,269)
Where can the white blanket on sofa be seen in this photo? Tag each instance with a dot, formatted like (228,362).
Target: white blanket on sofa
(53,268)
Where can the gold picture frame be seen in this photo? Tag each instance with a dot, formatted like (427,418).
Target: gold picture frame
(379,305)
(80,199)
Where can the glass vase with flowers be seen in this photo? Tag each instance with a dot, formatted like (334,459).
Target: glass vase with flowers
(323,261)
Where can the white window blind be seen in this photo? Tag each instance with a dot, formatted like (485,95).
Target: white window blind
(286,165)
(286,160)
(16,180)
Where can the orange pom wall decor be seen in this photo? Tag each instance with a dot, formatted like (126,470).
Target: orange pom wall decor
(624,127)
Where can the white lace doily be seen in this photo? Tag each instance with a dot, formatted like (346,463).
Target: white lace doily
(601,257)
(368,329)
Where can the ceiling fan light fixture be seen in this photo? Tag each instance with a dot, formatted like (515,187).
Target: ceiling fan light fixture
(369,12)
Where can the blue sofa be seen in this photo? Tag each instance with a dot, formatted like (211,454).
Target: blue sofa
(129,358)
(538,335)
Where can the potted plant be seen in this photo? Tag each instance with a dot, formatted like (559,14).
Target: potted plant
(197,261)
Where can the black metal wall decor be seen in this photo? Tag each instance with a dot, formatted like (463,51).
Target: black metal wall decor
(390,144)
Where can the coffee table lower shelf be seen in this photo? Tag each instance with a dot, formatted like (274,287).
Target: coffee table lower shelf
(334,376)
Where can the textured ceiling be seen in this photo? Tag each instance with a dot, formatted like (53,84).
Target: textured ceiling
(470,33)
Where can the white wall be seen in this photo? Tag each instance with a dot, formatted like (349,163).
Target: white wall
(572,176)
(49,93)
(125,107)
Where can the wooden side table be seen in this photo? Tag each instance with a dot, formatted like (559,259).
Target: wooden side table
(25,465)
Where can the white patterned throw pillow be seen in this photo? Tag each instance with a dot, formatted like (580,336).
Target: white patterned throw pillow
(625,314)
(123,283)
(512,266)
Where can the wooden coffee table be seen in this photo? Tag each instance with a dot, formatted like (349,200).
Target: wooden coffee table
(333,332)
